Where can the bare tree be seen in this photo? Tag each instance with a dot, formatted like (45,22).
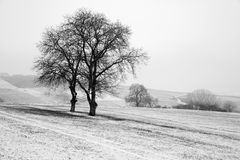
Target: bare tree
(107,55)
(88,50)
(60,60)
(202,99)
(139,96)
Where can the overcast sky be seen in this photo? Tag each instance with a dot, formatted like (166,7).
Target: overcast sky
(192,44)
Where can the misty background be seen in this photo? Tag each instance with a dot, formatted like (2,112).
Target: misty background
(191,44)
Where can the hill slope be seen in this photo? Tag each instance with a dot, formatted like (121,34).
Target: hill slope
(24,84)
(12,94)
(20,81)
(5,85)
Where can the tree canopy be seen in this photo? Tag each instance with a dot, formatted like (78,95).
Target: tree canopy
(202,99)
(88,50)
(139,97)
(60,60)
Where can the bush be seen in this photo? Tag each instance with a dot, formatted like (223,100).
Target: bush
(229,106)
(159,106)
(150,101)
(183,106)
(203,100)
(191,107)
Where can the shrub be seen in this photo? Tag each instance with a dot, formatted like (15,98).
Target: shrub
(229,106)
(203,100)
(181,106)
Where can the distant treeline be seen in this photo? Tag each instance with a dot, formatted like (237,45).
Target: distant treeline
(202,99)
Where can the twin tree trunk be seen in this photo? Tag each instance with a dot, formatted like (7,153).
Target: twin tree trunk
(92,102)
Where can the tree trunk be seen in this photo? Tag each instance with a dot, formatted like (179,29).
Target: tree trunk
(74,98)
(92,84)
(73,103)
(93,106)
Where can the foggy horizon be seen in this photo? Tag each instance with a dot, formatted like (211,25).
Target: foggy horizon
(191,44)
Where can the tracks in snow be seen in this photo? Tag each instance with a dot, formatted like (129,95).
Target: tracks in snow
(159,122)
(60,130)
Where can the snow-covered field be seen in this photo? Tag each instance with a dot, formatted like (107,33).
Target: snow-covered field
(118,132)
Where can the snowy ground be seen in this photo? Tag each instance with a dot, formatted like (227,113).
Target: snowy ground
(51,132)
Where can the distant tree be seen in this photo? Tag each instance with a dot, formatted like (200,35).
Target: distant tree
(229,106)
(202,99)
(107,55)
(136,95)
(60,60)
(139,96)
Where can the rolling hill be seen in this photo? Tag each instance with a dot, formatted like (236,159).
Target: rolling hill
(12,94)
(20,81)
(22,89)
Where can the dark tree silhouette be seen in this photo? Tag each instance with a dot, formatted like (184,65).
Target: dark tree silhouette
(60,60)
(88,50)
(107,55)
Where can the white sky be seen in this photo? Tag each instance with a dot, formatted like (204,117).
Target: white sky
(192,44)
